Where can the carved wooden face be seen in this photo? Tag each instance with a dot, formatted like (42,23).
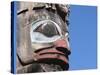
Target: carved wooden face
(43,28)
(49,21)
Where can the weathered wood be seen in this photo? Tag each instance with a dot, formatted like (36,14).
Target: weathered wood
(27,13)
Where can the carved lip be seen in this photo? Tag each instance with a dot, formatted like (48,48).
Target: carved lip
(51,54)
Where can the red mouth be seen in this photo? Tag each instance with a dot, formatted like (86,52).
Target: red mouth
(57,54)
(52,56)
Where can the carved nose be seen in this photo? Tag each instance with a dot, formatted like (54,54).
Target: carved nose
(62,45)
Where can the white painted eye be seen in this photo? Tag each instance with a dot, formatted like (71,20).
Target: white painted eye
(45,31)
(40,38)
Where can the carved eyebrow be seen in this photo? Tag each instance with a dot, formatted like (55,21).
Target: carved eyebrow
(23,11)
(34,8)
(37,8)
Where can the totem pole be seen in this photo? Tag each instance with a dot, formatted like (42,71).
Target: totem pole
(42,37)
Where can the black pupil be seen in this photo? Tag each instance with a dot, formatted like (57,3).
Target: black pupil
(47,29)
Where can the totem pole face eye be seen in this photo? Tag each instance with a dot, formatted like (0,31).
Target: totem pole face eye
(45,31)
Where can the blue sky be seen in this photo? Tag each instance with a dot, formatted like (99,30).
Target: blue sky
(83,37)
